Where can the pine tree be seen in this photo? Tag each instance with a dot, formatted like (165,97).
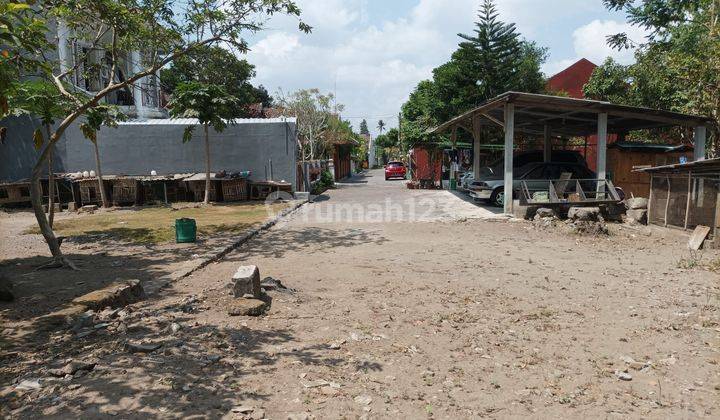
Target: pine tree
(364,127)
(491,61)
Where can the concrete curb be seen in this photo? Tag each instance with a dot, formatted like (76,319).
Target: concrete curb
(221,252)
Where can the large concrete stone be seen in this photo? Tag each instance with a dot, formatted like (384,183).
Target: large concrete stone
(247,307)
(637,203)
(637,216)
(584,214)
(246,281)
(116,295)
(544,212)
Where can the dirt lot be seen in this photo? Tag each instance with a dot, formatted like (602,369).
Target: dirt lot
(442,318)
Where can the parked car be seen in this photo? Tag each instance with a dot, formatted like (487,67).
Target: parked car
(523,159)
(395,170)
(535,175)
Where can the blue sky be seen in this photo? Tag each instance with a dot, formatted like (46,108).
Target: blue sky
(376,51)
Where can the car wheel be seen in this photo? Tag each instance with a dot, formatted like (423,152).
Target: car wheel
(386,178)
(497,198)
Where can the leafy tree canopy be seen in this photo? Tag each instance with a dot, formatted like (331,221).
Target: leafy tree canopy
(364,127)
(210,104)
(677,66)
(216,65)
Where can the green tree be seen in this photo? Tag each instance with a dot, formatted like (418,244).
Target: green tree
(162,30)
(212,106)
(364,127)
(677,65)
(490,61)
(41,99)
(314,111)
(218,66)
(96,117)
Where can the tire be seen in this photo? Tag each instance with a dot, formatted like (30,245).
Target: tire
(387,179)
(497,198)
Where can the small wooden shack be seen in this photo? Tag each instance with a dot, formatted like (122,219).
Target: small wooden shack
(234,189)
(14,193)
(685,195)
(196,187)
(624,156)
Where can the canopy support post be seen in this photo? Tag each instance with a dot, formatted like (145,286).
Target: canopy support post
(509,141)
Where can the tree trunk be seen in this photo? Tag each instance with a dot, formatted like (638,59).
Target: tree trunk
(36,200)
(98,173)
(207,166)
(51,181)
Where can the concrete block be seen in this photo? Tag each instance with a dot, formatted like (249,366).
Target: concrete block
(545,212)
(117,295)
(72,206)
(304,196)
(91,208)
(637,216)
(247,307)
(584,214)
(246,281)
(58,207)
(637,203)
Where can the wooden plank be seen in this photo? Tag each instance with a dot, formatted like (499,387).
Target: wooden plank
(689,196)
(667,203)
(698,237)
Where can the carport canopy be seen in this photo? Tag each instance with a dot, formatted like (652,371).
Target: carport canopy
(555,116)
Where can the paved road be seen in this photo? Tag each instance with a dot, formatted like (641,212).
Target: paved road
(369,198)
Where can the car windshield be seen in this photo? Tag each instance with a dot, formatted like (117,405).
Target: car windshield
(395,165)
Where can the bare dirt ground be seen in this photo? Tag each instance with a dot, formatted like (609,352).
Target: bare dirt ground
(445,318)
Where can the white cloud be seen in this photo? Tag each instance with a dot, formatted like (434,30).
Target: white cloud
(590,41)
(378,61)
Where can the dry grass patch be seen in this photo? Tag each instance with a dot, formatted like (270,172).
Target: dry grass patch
(156,225)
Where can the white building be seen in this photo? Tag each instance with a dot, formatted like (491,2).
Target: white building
(141,101)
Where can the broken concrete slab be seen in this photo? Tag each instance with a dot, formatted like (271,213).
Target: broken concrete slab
(141,347)
(584,214)
(246,280)
(116,295)
(247,307)
(63,317)
(698,237)
(89,208)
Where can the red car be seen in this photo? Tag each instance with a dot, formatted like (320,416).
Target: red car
(395,170)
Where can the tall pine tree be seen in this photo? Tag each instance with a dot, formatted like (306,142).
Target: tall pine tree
(364,127)
(492,60)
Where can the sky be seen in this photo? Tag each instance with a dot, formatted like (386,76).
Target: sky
(372,53)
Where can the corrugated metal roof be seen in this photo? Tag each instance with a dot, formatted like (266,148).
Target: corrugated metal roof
(699,165)
(194,121)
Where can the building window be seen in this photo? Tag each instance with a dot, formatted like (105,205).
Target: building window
(4,194)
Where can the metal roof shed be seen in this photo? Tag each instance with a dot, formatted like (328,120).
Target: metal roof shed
(554,116)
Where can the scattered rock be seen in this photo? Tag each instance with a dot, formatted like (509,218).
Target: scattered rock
(175,327)
(242,410)
(623,376)
(545,212)
(270,283)
(142,348)
(6,294)
(116,295)
(246,280)
(637,203)
(72,368)
(363,399)
(247,307)
(300,416)
(29,384)
(584,214)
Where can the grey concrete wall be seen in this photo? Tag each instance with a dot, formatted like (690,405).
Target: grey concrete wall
(134,149)
(17,152)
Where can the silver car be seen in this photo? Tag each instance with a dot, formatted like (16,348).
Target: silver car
(535,175)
